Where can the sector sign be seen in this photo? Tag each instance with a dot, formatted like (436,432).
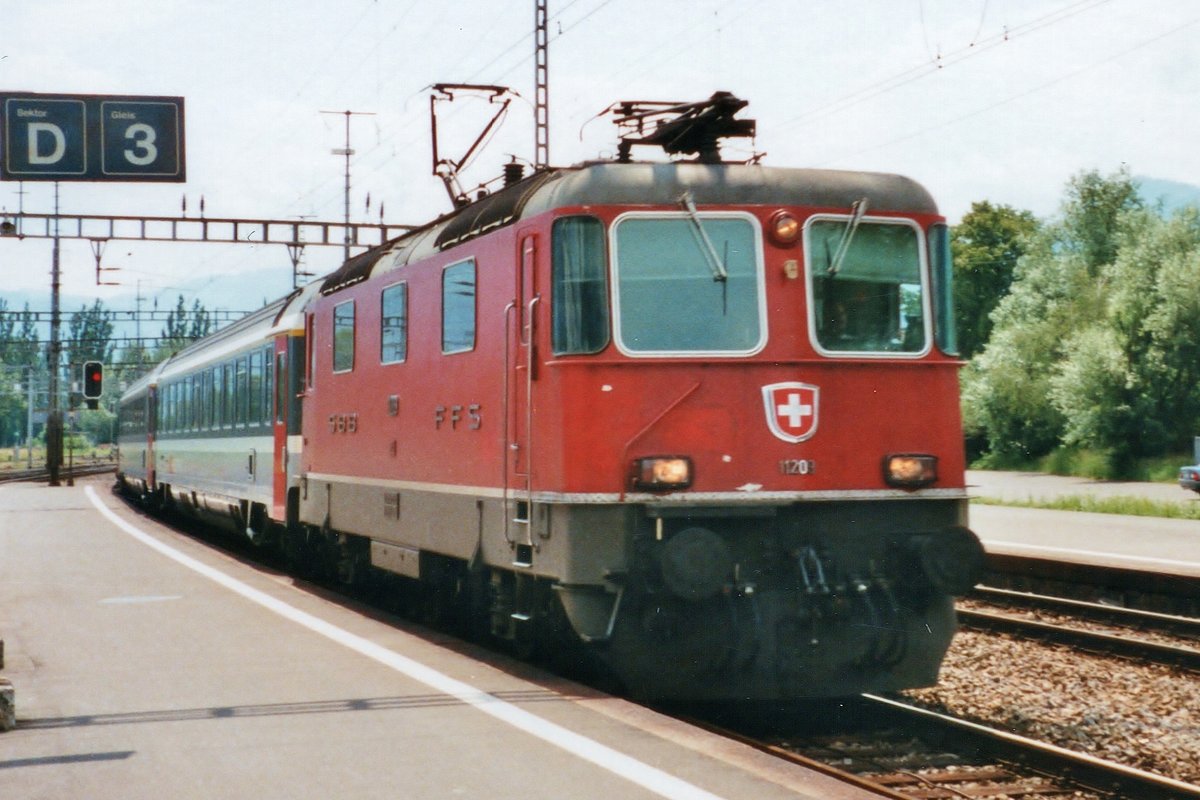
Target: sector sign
(53,137)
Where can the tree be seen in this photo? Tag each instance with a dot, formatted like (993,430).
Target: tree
(1128,384)
(184,327)
(1092,212)
(89,335)
(986,246)
(19,356)
(1009,392)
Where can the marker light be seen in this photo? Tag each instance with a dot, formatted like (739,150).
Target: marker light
(909,470)
(662,473)
(783,228)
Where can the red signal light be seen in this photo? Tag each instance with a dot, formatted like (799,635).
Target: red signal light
(93,380)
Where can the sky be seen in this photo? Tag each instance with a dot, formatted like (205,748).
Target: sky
(998,100)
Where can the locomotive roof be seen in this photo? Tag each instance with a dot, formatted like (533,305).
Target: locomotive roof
(639,184)
(718,184)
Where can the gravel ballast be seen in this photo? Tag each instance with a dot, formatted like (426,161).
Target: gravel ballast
(1145,716)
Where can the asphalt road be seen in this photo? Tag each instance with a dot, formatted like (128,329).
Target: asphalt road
(1150,543)
(1037,486)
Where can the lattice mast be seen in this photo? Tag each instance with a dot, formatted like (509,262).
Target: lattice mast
(541,81)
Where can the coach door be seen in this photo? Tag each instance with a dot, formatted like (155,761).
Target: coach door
(279,426)
(151,436)
(521,358)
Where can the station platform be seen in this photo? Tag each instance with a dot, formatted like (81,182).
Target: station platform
(147,664)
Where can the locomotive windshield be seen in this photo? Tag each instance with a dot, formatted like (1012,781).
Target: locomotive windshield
(670,296)
(871,299)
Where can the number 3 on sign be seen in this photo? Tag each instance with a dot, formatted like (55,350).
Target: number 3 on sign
(143,152)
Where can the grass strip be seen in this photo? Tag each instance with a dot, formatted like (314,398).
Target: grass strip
(1129,506)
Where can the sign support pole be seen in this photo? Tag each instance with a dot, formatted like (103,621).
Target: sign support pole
(54,355)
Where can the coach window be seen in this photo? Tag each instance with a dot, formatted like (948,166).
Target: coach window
(197,401)
(580,286)
(458,307)
(268,386)
(214,398)
(256,386)
(688,284)
(343,336)
(393,336)
(227,395)
(867,293)
(169,408)
(281,382)
(241,393)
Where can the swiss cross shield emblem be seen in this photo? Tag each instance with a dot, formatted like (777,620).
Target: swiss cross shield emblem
(791,410)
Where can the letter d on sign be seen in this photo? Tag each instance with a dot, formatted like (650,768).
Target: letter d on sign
(59,139)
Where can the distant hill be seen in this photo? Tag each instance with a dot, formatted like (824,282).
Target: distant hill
(1172,194)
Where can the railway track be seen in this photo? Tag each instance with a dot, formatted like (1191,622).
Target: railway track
(1114,586)
(906,752)
(42,474)
(1144,636)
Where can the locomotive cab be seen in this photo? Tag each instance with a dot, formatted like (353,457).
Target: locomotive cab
(772,422)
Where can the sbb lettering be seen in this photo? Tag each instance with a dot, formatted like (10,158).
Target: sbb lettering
(471,414)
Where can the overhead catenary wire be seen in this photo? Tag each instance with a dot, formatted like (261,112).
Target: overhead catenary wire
(926,68)
(1175,29)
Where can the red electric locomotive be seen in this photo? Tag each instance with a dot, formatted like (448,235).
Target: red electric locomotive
(701,416)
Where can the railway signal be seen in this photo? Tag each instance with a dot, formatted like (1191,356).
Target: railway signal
(93,382)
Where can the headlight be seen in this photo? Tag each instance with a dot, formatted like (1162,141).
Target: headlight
(909,470)
(783,228)
(662,473)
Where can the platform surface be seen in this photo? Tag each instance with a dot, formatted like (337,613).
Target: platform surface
(150,665)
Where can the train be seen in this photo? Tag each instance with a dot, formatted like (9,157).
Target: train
(692,419)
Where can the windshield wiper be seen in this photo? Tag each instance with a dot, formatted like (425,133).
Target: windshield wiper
(706,246)
(857,209)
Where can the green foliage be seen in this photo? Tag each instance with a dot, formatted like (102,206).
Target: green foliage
(183,327)
(1096,346)
(986,246)
(96,425)
(1081,462)
(89,335)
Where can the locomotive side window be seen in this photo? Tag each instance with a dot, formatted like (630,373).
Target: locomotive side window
(343,336)
(393,335)
(689,283)
(941,268)
(866,291)
(580,291)
(458,307)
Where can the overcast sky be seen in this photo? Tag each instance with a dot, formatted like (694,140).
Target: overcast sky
(1002,100)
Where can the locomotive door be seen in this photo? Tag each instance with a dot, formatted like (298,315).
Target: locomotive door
(520,374)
